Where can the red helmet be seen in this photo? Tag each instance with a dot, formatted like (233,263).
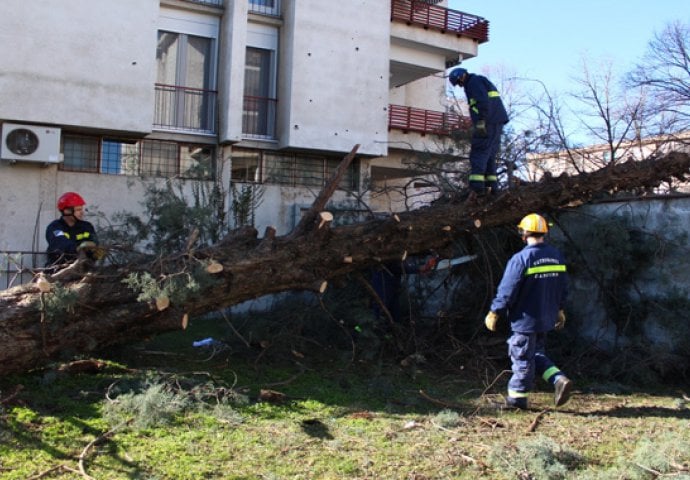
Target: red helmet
(70,200)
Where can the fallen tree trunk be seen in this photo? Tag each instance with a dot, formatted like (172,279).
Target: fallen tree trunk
(84,308)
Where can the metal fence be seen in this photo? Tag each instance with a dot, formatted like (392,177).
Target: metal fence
(18,267)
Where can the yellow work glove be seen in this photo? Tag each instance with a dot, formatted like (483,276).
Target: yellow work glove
(560,321)
(88,245)
(98,253)
(491,320)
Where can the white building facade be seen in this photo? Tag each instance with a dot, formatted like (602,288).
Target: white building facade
(102,97)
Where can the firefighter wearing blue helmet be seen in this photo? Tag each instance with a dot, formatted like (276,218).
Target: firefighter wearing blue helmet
(488,116)
(531,295)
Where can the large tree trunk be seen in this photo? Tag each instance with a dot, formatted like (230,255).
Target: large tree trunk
(91,307)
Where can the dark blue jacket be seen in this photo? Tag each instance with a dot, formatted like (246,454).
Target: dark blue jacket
(63,239)
(533,289)
(484,100)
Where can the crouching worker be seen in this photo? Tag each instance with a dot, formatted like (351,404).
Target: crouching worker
(70,236)
(531,294)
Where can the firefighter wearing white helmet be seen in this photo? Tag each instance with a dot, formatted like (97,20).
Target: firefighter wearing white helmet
(531,295)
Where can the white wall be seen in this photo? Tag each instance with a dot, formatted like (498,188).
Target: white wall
(333,75)
(78,62)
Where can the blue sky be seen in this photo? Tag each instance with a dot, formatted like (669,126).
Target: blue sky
(546,39)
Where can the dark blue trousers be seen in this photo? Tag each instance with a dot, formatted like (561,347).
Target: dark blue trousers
(528,354)
(483,158)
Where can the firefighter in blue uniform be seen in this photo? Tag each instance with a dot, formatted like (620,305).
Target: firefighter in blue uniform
(531,294)
(70,234)
(488,116)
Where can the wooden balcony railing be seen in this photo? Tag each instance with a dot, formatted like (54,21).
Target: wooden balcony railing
(185,108)
(409,119)
(419,12)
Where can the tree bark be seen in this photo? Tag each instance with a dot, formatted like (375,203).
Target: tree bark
(97,309)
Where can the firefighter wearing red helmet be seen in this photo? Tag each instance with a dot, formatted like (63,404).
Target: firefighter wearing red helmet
(70,234)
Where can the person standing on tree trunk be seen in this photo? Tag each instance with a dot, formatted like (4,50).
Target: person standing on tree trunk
(488,116)
(532,293)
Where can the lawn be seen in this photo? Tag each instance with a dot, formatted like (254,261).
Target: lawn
(164,409)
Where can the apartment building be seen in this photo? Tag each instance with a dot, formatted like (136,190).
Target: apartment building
(104,97)
(594,157)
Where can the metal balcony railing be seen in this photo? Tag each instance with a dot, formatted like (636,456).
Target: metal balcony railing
(212,3)
(259,117)
(185,108)
(418,12)
(265,7)
(409,119)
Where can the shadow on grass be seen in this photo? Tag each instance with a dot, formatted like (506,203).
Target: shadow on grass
(639,412)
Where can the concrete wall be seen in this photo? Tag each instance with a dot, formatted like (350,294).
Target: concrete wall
(29,193)
(333,75)
(232,53)
(69,66)
(664,221)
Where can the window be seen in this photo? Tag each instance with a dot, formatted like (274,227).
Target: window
(119,157)
(80,153)
(154,158)
(290,169)
(246,166)
(185,99)
(258,116)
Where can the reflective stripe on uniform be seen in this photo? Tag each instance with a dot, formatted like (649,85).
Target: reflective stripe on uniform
(473,106)
(82,236)
(475,177)
(514,394)
(494,94)
(491,178)
(545,269)
(550,372)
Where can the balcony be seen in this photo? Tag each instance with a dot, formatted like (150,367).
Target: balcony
(212,3)
(259,117)
(192,110)
(265,7)
(409,119)
(445,20)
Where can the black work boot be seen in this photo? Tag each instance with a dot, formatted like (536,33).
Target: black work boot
(562,387)
(516,403)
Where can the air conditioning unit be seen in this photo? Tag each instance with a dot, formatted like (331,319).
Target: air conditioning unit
(30,143)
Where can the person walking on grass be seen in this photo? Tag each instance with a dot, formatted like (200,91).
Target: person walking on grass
(531,295)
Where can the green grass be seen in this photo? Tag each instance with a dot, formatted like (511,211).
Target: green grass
(184,413)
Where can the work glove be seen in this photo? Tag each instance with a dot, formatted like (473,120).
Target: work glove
(92,250)
(98,253)
(560,321)
(88,245)
(480,129)
(491,320)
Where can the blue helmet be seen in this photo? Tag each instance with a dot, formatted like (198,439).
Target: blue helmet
(456,75)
